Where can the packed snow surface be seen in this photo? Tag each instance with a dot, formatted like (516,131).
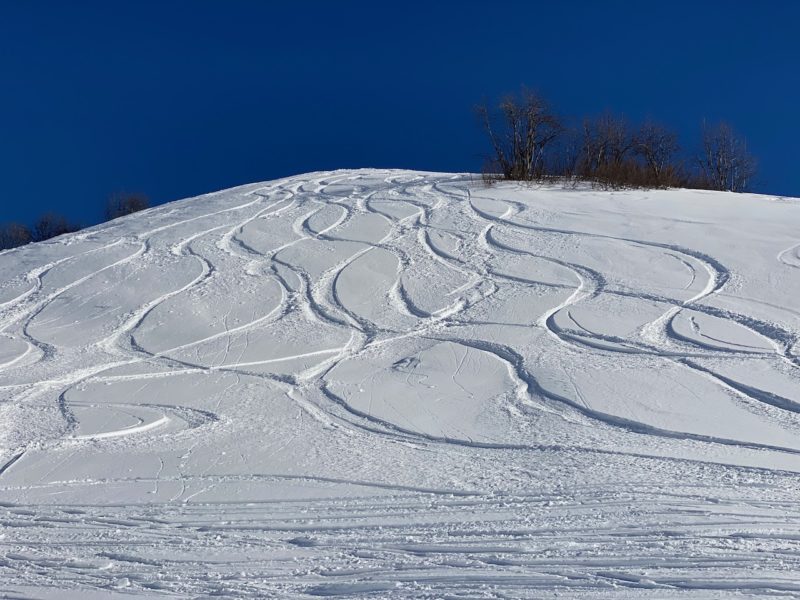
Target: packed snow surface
(406,385)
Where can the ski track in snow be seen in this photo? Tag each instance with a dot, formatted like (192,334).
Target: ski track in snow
(399,384)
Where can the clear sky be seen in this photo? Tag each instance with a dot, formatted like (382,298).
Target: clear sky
(178,98)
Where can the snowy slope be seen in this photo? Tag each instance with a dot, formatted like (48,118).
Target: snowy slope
(406,385)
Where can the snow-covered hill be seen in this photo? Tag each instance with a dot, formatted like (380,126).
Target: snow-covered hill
(406,385)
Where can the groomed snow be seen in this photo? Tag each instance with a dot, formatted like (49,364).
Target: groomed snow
(406,385)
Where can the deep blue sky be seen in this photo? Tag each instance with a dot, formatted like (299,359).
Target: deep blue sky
(178,98)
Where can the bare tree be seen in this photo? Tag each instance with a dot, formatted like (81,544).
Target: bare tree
(121,204)
(657,147)
(530,143)
(13,235)
(617,138)
(725,162)
(520,130)
(607,142)
(51,225)
(566,156)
